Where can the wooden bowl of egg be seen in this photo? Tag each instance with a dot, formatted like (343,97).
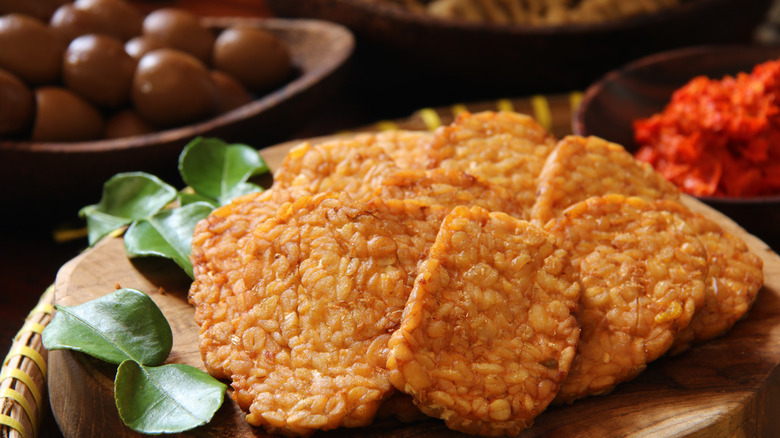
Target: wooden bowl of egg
(112,90)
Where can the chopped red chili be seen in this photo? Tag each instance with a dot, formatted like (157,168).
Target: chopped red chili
(718,137)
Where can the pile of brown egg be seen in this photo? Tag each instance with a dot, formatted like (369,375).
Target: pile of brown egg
(101,69)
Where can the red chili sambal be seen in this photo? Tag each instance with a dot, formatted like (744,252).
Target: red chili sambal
(718,137)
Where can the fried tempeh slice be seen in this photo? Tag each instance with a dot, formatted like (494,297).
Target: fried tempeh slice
(642,270)
(408,149)
(734,278)
(488,333)
(324,289)
(355,165)
(303,329)
(504,148)
(448,188)
(583,167)
(217,236)
(414,226)
(217,242)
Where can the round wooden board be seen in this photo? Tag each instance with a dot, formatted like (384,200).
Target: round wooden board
(725,388)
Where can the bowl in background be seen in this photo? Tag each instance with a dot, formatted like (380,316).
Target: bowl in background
(48,178)
(644,87)
(502,60)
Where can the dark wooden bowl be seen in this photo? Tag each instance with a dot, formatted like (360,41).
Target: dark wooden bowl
(64,176)
(645,86)
(516,59)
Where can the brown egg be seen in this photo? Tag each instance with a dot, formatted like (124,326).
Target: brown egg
(40,9)
(172,88)
(70,22)
(140,45)
(29,49)
(127,123)
(231,93)
(108,17)
(98,69)
(61,116)
(17,105)
(121,19)
(255,57)
(182,30)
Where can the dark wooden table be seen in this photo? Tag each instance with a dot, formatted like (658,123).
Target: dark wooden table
(30,256)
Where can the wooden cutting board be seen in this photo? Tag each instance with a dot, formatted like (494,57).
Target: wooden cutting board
(728,387)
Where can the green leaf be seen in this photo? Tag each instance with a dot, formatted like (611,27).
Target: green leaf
(241,189)
(167,399)
(100,224)
(191,198)
(167,234)
(126,197)
(125,324)
(219,170)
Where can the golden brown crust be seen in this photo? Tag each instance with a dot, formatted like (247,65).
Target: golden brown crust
(356,165)
(217,244)
(642,271)
(505,149)
(322,288)
(300,317)
(353,165)
(408,149)
(448,188)
(298,289)
(488,333)
(734,278)
(582,167)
